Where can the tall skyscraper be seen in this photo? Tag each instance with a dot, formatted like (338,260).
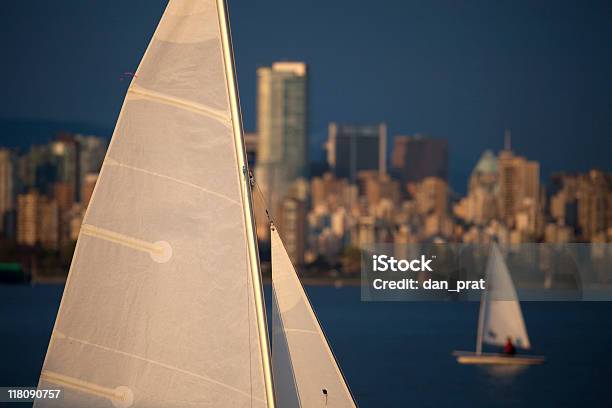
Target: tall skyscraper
(416,157)
(519,186)
(7,189)
(355,148)
(282,128)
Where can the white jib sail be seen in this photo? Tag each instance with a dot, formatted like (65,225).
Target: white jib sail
(160,309)
(305,371)
(502,311)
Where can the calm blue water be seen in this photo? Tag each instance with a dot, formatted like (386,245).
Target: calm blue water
(393,354)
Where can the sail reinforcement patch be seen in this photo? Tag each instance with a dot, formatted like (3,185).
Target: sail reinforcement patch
(121,397)
(160,251)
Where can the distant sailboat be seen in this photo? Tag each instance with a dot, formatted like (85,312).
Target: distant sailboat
(305,371)
(163,305)
(499,319)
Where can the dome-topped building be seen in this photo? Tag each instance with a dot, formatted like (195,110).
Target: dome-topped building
(480,205)
(487,164)
(484,175)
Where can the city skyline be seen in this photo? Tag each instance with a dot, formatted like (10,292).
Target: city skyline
(459,72)
(44,193)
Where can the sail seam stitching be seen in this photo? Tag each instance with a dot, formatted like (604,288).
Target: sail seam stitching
(112,162)
(164,365)
(180,103)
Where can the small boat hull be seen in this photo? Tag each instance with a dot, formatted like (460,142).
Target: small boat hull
(464,357)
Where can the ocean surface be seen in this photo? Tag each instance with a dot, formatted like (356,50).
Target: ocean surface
(393,354)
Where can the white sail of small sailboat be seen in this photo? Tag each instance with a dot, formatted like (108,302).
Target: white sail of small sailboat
(500,318)
(306,373)
(163,304)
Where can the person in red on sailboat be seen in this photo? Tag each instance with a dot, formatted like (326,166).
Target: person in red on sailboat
(509,348)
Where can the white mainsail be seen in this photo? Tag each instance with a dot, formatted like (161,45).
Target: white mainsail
(305,371)
(162,306)
(501,315)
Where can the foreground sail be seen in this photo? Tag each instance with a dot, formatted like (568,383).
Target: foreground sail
(305,371)
(500,318)
(162,307)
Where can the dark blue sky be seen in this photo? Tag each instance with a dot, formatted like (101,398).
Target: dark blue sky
(461,70)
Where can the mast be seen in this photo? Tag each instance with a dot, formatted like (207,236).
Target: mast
(481,313)
(247,199)
(480,330)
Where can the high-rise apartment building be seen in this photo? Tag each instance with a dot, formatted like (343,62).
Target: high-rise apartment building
(355,148)
(519,186)
(282,128)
